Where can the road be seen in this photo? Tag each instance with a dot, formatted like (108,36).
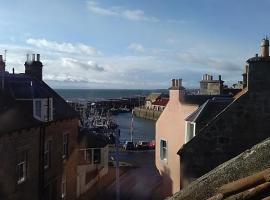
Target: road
(139,182)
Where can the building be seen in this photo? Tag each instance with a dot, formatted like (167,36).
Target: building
(38,137)
(170,133)
(236,127)
(152,97)
(92,160)
(209,86)
(160,104)
(245,176)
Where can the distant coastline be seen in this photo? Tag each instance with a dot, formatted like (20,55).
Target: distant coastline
(99,94)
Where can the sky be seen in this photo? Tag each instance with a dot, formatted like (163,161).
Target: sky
(128,44)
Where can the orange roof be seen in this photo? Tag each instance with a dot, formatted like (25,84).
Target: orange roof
(161,102)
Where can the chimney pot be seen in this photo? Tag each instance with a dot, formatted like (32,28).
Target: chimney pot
(13,70)
(1,58)
(38,57)
(265,48)
(180,82)
(176,83)
(33,57)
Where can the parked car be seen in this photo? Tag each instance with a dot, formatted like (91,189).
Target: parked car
(152,144)
(129,145)
(142,145)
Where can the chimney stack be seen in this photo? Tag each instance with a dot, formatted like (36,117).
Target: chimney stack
(265,48)
(33,67)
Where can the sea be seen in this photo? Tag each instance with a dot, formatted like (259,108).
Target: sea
(144,130)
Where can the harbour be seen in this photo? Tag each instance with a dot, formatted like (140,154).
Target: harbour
(110,112)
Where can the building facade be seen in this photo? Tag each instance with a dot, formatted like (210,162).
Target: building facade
(38,138)
(170,128)
(241,124)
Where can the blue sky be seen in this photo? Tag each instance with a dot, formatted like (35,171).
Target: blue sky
(133,44)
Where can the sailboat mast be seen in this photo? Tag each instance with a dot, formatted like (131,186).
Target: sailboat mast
(131,127)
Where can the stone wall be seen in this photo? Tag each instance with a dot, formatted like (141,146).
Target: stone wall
(62,166)
(47,182)
(147,113)
(11,146)
(241,125)
(241,166)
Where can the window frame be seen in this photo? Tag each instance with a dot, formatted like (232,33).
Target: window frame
(163,157)
(98,161)
(63,187)
(47,151)
(22,161)
(188,135)
(38,108)
(65,145)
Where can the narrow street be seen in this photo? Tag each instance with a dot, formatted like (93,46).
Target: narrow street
(139,182)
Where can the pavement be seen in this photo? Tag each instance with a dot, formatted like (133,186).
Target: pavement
(139,182)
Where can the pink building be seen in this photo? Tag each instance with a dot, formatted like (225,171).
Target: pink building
(170,134)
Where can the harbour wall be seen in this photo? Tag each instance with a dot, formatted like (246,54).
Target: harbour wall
(146,113)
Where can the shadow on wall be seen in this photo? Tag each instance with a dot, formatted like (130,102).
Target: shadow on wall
(166,188)
(2,195)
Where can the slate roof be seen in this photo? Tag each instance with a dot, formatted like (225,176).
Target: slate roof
(249,163)
(209,109)
(19,91)
(199,99)
(15,115)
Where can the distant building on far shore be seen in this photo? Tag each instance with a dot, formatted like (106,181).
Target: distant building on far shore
(209,86)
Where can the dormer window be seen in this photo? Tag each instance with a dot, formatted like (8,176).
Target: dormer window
(43,109)
(37,109)
(190,131)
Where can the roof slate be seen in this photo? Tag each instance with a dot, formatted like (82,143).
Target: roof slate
(19,92)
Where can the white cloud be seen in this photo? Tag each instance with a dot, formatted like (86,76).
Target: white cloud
(88,65)
(63,47)
(136,47)
(134,15)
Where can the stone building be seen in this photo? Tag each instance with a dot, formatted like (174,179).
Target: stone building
(160,104)
(238,126)
(38,138)
(151,98)
(245,176)
(209,86)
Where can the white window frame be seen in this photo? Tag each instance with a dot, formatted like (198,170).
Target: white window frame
(63,187)
(44,103)
(22,163)
(65,145)
(188,135)
(161,156)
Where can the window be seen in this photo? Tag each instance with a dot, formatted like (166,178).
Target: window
(22,167)
(97,156)
(47,154)
(88,156)
(43,109)
(38,108)
(163,150)
(65,145)
(63,187)
(190,131)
